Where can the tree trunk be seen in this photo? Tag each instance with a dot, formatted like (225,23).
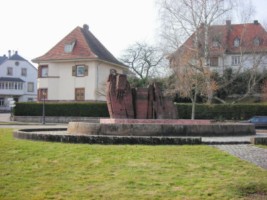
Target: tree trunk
(194,105)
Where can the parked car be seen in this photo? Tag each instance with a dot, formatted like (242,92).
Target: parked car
(259,121)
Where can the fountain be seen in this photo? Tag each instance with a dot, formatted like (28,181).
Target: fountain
(139,116)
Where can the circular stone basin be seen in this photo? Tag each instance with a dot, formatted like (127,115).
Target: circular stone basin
(148,132)
(176,128)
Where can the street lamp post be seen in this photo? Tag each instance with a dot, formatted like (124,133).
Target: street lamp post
(43,118)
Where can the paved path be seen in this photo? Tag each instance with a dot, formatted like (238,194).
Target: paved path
(250,153)
(4,117)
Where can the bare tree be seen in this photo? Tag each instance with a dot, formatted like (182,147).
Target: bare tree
(190,76)
(145,60)
(189,24)
(180,19)
(191,19)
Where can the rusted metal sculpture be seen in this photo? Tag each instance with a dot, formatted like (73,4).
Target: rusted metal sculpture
(125,102)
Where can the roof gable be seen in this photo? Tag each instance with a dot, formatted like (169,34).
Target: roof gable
(16,56)
(82,45)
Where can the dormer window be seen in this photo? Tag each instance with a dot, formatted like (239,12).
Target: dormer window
(237,42)
(68,48)
(216,41)
(256,41)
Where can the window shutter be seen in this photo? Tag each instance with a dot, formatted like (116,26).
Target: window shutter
(85,70)
(39,95)
(74,68)
(39,71)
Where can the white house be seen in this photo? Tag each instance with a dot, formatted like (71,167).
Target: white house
(18,80)
(76,68)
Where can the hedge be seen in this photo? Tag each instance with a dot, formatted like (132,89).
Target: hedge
(222,111)
(203,111)
(62,109)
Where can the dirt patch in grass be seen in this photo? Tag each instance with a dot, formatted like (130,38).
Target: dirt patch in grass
(257,196)
(253,191)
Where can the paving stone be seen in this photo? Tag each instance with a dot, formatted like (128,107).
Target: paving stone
(250,153)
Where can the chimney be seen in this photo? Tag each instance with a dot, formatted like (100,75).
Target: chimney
(9,53)
(228,25)
(85,27)
(256,22)
(16,52)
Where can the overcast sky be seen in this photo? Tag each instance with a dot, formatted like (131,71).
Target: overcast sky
(32,27)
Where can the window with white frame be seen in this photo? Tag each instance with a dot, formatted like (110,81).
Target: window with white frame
(30,87)
(236,60)
(9,71)
(80,70)
(237,42)
(10,85)
(23,71)
(216,42)
(2,85)
(2,101)
(256,41)
(68,48)
(42,71)
(30,99)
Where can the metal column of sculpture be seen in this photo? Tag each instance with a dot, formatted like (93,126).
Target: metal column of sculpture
(125,102)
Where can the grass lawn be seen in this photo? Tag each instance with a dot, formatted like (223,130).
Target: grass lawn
(42,170)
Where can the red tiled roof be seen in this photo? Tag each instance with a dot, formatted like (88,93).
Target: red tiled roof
(87,46)
(226,34)
(247,33)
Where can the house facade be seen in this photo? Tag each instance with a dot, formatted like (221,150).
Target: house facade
(76,68)
(18,80)
(236,46)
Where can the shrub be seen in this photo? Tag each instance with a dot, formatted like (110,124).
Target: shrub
(222,111)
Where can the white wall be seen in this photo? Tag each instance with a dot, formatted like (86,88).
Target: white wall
(61,84)
(248,60)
